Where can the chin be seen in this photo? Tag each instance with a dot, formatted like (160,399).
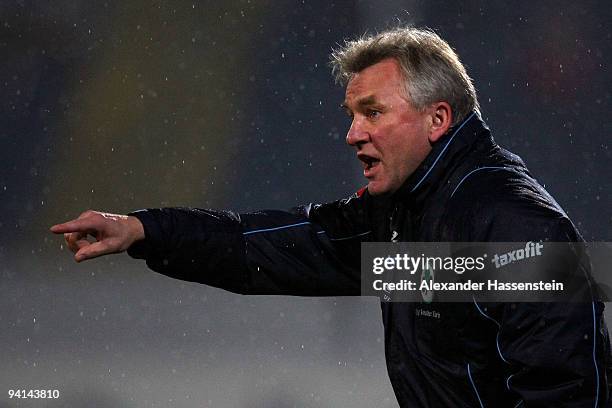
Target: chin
(378,188)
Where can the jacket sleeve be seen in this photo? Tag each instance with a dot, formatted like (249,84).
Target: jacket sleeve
(311,250)
(555,353)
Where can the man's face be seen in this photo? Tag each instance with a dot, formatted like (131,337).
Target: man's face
(391,137)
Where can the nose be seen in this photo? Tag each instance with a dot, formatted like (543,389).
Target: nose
(356,134)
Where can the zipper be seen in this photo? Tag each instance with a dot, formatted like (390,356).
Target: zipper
(393,224)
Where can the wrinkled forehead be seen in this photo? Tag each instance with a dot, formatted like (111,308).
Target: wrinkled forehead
(383,79)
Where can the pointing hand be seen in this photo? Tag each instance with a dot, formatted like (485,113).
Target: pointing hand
(113,233)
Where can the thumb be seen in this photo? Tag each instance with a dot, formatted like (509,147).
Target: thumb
(93,250)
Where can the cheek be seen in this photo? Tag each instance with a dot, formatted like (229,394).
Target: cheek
(398,144)
(388,138)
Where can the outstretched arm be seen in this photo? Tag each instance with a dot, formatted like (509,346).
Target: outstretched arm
(309,251)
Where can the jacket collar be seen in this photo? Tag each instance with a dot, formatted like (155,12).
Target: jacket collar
(457,141)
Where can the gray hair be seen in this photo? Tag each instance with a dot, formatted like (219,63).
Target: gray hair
(431,69)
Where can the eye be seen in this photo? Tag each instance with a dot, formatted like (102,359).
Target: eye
(373,113)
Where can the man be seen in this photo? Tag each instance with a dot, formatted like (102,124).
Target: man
(434,174)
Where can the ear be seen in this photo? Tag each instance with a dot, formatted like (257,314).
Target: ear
(441,119)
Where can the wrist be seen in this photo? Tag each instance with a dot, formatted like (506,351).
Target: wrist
(135,228)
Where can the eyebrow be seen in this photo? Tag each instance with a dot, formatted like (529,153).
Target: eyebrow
(365,101)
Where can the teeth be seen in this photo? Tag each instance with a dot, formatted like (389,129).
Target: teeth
(368,162)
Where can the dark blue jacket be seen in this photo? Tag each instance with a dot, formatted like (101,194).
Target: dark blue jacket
(468,189)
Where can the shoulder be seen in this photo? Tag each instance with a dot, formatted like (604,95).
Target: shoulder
(345,217)
(505,203)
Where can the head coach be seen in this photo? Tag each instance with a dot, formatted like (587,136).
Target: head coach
(434,174)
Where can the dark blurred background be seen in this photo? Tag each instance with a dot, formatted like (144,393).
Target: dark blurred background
(123,105)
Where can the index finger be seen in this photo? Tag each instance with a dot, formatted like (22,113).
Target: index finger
(86,225)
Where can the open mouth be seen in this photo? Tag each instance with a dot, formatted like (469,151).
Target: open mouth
(368,161)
